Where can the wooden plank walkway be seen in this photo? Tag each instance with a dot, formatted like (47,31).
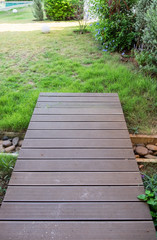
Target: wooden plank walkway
(76,177)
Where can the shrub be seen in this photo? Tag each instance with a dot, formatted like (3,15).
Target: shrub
(116,27)
(141,9)
(38,10)
(59,10)
(147,55)
(150,195)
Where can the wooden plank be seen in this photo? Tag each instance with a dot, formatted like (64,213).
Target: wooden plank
(83,230)
(77,143)
(77,125)
(76,165)
(75,153)
(75,211)
(76,118)
(78,94)
(75,178)
(78,111)
(103,99)
(72,193)
(78,105)
(79,134)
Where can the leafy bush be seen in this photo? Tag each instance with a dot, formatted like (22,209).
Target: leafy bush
(59,9)
(150,195)
(116,27)
(38,10)
(7,163)
(141,9)
(147,54)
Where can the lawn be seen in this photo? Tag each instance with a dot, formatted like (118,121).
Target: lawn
(24,15)
(63,61)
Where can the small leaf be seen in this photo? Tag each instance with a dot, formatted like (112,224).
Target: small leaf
(147,192)
(142,197)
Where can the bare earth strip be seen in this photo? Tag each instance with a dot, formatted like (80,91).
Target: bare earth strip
(25,27)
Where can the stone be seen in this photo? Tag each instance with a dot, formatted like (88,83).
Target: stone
(5,138)
(150,152)
(155,153)
(20,143)
(141,150)
(6,143)
(152,147)
(18,149)
(1,148)
(141,167)
(149,156)
(140,145)
(9,149)
(137,156)
(15,141)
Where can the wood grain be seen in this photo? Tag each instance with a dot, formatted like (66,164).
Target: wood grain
(76,230)
(75,178)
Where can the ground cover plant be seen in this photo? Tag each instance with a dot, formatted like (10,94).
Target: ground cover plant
(150,196)
(7,163)
(62,61)
(24,15)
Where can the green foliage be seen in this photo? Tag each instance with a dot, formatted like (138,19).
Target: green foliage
(7,163)
(116,26)
(65,62)
(141,9)
(147,55)
(38,10)
(150,195)
(58,10)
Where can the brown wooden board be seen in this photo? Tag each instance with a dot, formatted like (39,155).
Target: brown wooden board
(78,105)
(102,99)
(75,153)
(73,193)
(76,165)
(77,230)
(77,143)
(75,178)
(76,118)
(79,94)
(79,134)
(77,125)
(78,111)
(75,211)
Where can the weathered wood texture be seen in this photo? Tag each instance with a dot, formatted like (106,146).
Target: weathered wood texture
(76,176)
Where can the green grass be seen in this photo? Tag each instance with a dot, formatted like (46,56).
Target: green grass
(24,15)
(7,163)
(63,61)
